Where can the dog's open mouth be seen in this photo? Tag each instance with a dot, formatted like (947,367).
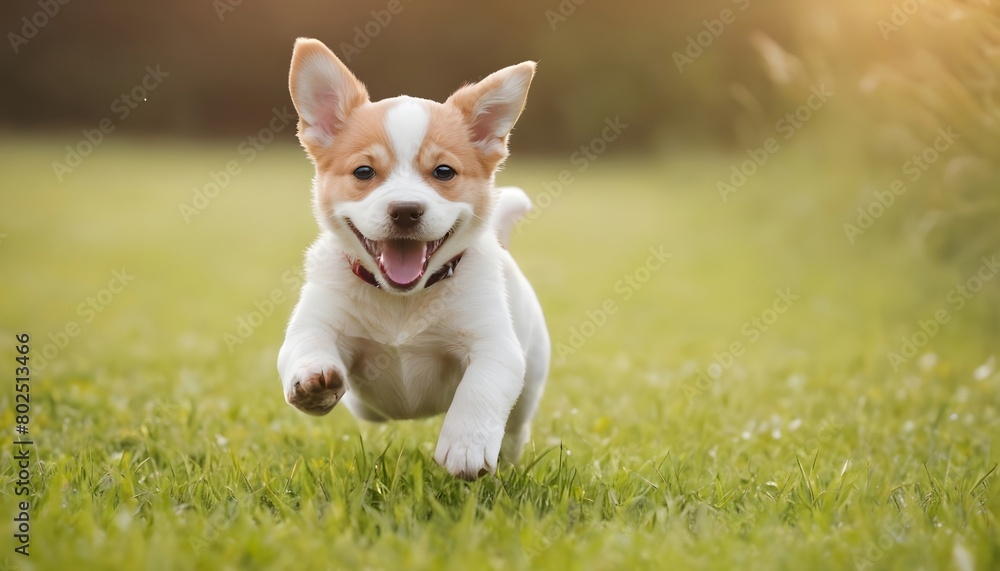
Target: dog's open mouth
(402,261)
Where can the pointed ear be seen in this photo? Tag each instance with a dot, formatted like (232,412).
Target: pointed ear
(323,91)
(492,106)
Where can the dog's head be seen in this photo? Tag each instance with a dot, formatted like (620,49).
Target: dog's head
(405,183)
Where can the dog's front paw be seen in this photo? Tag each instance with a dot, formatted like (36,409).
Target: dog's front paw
(468,451)
(315,387)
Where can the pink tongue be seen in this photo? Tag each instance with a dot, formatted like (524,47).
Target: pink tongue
(403,260)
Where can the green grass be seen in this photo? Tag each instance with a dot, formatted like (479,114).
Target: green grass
(162,449)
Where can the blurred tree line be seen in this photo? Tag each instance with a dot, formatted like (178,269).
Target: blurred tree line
(228,61)
(922,88)
(716,73)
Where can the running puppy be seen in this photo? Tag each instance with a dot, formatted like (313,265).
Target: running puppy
(412,305)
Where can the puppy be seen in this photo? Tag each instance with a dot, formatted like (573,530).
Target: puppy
(412,305)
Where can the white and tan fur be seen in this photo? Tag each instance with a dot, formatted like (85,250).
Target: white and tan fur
(474,345)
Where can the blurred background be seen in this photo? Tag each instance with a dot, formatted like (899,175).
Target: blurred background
(716,75)
(825,176)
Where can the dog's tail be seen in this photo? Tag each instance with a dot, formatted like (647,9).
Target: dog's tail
(512,205)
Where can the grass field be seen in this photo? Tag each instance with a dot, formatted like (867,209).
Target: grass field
(164,443)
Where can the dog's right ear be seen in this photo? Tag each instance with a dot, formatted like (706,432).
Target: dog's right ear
(323,91)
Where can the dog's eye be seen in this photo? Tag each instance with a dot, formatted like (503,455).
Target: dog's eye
(444,172)
(364,173)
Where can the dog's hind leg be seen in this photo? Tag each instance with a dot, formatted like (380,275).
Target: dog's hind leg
(518,430)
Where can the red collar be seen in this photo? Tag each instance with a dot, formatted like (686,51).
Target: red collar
(445,272)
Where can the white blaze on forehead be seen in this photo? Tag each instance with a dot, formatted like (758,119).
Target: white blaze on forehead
(406,122)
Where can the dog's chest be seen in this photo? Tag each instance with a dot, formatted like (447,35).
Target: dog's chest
(404,381)
(405,365)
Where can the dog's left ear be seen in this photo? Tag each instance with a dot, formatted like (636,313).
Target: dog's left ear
(492,106)
(324,92)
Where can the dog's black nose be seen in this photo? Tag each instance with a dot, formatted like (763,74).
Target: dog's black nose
(405,214)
